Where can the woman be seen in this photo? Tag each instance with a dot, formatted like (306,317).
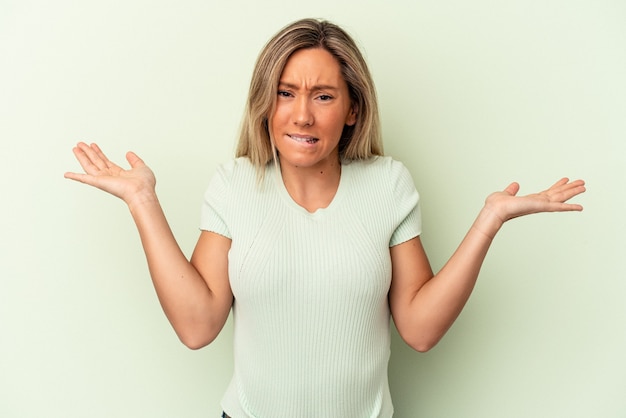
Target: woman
(311,236)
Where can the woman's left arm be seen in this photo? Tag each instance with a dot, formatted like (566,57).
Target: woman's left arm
(424,305)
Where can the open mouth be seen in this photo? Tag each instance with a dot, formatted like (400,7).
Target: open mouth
(305,139)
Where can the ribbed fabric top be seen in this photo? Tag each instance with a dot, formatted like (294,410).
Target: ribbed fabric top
(311,316)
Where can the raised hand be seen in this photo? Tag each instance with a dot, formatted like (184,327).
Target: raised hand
(129,185)
(505,205)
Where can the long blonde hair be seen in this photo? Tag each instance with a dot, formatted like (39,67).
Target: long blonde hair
(361,141)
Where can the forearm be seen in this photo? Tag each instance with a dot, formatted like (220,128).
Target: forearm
(440,300)
(183,293)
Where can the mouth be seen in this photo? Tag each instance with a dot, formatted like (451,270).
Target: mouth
(304,138)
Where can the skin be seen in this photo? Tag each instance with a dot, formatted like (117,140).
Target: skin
(196,295)
(424,306)
(312,109)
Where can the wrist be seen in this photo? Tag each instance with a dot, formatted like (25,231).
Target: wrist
(140,200)
(488,222)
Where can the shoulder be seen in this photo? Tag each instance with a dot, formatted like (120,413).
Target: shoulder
(232,182)
(377,162)
(229,174)
(241,179)
(380,169)
(385,178)
(240,165)
(237,171)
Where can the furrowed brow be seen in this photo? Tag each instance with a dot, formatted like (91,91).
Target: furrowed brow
(316,87)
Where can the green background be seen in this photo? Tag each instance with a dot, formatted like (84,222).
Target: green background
(473,95)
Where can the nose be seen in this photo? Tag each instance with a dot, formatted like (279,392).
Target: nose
(302,112)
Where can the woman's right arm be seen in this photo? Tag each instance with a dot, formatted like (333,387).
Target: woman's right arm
(196,294)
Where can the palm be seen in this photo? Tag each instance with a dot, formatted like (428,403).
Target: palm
(506,205)
(100,172)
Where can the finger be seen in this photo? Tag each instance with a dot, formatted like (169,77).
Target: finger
(102,156)
(555,188)
(565,184)
(577,183)
(567,191)
(512,189)
(84,160)
(93,156)
(566,207)
(134,160)
(570,193)
(80,177)
(559,183)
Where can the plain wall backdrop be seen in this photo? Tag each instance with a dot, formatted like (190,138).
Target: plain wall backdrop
(473,95)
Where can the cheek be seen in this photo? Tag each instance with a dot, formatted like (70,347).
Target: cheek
(279,117)
(272,124)
(337,123)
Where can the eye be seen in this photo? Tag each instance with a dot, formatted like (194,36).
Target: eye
(284,93)
(325,97)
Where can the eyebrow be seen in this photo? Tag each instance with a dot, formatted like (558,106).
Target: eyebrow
(313,88)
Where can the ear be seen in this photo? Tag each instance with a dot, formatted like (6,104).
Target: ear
(351,118)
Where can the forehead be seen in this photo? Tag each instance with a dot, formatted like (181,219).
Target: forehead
(312,65)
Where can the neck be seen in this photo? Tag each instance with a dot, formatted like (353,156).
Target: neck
(312,187)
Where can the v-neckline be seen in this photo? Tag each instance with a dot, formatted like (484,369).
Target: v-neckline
(284,193)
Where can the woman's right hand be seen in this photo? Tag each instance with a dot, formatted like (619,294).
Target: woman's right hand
(137,183)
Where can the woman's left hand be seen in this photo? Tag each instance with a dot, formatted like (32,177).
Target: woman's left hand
(505,205)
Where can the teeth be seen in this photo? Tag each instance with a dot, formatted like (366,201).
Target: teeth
(303,139)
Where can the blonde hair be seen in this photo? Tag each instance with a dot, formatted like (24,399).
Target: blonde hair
(361,141)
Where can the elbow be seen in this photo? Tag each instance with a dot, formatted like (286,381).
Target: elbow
(194,344)
(196,334)
(423,347)
(421,335)
(196,339)
(420,342)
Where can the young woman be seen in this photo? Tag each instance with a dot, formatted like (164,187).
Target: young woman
(311,237)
